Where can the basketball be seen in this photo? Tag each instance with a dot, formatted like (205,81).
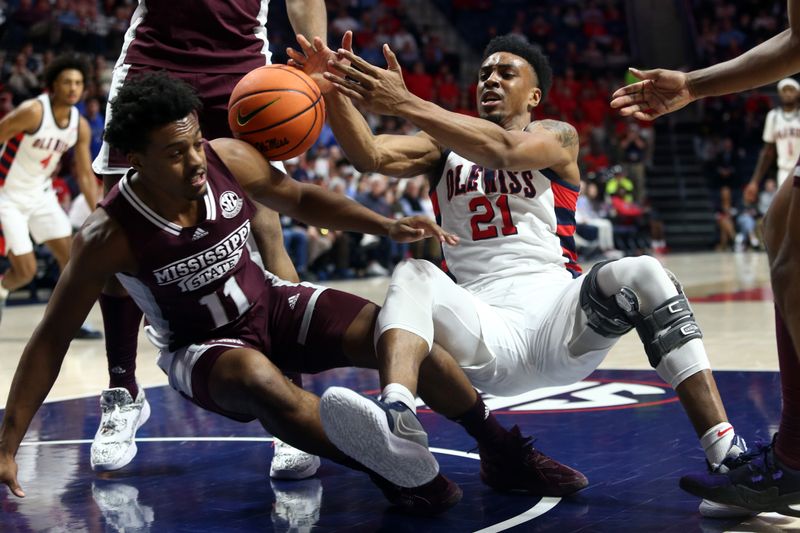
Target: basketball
(278,109)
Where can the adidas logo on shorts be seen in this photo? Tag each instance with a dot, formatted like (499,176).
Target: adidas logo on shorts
(293,300)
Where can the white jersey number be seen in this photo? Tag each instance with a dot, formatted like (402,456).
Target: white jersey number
(232,290)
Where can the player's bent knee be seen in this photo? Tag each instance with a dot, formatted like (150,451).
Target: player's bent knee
(667,327)
(414,271)
(247,377)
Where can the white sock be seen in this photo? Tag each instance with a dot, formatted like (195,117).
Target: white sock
(716,442)
(395,392)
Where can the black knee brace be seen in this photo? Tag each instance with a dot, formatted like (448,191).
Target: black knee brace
(669,326)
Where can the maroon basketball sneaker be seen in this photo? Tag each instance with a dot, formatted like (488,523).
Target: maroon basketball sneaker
(432,498)
(514,464)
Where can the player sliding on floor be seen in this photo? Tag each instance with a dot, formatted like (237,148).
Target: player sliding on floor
(513,308)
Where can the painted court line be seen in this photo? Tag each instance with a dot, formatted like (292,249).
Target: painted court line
(544,505)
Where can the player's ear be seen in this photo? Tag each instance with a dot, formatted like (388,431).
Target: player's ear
(534,98)
(135,161)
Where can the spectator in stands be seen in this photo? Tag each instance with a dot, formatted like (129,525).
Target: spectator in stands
(377,250)
(22,82)
(634,147)
(96,119)
(592,212)
(295,239)
(418,81)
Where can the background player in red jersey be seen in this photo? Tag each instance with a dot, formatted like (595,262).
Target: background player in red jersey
(173,230)
(33,137)
(515,311)
(210,44)
(769,478)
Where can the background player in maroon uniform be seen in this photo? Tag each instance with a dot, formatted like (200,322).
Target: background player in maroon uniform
(210,44)
(770,478)
(181,187)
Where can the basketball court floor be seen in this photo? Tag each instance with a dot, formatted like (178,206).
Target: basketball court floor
(200,472)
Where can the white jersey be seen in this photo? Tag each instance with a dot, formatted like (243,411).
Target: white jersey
(29,160)
(510,223)
(783,129)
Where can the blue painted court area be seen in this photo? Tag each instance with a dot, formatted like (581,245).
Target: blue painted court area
(197,471)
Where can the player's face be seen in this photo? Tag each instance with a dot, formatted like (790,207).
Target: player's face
(507,88)
(174,160)
(788,95)
(68,87)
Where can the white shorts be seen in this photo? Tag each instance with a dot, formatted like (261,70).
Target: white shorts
(524,326)
(42,219)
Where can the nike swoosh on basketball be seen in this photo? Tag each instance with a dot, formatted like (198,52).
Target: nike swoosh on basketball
(242,120)
(721,433)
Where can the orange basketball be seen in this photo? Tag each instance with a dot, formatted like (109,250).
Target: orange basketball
(278,109)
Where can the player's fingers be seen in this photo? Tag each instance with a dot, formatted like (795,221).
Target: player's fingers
(645,74)
(391,59)
(645,115)
(294,54)
(360,64)
(295,64)
(347,91)
(347,82)
(633,88)
(13,485)
(304,44)
(347,40)
(624,101)
(352,73)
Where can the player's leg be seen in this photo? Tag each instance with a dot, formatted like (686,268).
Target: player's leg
(19,249)
(287,462)
(405,345)
(638,293)
(768,478)
(243,384)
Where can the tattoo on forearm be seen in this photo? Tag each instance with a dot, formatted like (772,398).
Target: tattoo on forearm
(566,133)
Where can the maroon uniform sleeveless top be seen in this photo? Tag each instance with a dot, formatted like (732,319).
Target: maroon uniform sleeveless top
(193,282)
(208,36)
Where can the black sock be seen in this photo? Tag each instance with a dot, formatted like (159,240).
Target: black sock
(481,423)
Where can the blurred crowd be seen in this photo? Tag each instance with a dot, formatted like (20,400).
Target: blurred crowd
(587,45)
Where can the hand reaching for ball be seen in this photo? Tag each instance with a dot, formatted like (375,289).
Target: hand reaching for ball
(313,60)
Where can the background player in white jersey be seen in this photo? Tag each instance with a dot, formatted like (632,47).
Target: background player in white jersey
(781,137)
(210,50)
(35,136)
(517,319)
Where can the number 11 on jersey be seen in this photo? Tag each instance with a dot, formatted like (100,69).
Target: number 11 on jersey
(212,301)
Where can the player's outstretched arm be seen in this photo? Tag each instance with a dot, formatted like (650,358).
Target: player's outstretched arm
(97,252)
(308,17)
(25,118)
(87,182)
(383,91)
(662,91)
(314,205)
(400,156)
(268,234)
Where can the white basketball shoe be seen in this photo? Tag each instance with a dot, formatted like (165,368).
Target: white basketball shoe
(114,444)
(290,463)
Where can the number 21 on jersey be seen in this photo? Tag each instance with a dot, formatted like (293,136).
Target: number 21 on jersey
(483,223)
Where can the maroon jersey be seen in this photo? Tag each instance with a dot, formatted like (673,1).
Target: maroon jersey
(209,36)
(193,280)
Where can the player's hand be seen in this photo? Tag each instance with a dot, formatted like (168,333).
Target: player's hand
(8,474)
(418,227)
(751,192)
(660,92)
(379,90)
(314,58)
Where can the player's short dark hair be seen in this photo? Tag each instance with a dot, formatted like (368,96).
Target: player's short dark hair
(145,103)
(518,46)
(62,63)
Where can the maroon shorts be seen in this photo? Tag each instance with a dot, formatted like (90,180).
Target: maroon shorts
(214,90)
(299,327)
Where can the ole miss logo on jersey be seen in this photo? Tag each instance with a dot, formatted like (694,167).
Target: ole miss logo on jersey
(462,180)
